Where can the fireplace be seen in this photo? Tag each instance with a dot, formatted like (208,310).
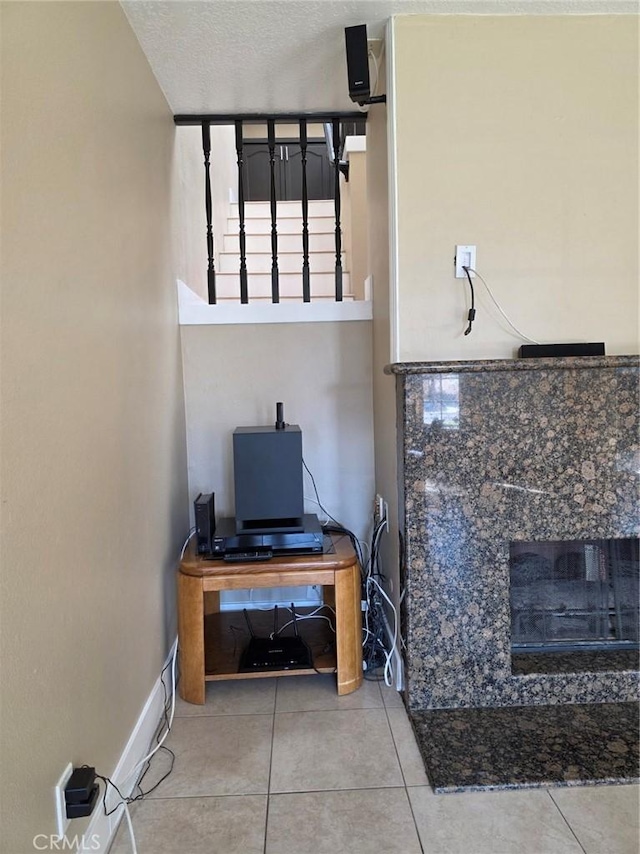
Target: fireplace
(574,595)
(519,522)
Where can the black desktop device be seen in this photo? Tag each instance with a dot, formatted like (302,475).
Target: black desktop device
(205,519)
(277,652)
(231,546)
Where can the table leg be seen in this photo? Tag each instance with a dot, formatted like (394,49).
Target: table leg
(348,629)
(191,638)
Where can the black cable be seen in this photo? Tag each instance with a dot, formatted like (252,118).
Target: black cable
(315,489)
(472,311)
(337,528)
(142,794)
(374,550)
(340,529)
(374,650)
(167,706)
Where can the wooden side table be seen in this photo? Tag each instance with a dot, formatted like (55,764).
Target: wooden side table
(207,638)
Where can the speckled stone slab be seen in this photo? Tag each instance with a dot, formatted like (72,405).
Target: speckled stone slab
(494,452)
(576,662)
(513,747)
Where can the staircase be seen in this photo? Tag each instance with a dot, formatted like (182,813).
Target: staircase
(257,223)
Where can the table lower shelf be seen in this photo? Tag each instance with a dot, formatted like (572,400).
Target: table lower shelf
(226,634)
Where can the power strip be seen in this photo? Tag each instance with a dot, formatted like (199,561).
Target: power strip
(397,662)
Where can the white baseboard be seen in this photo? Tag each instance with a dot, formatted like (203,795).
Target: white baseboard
(103,828)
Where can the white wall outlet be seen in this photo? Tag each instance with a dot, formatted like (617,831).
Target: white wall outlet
(62,821)
(465,257)
(381,509)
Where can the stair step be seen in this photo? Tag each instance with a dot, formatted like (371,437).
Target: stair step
(321,207)
(288,262)
(290,285)
(324,242)
(287,225)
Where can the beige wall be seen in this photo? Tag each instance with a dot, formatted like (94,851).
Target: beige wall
(519,135)
(224,180)
(189,200)
(321,371)
(355,220)
(190,221)
(94,498)
(384,401)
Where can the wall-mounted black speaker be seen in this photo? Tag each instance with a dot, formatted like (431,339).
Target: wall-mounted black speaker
(358,63)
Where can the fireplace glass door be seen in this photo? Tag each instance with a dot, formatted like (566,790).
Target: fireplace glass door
(574,595)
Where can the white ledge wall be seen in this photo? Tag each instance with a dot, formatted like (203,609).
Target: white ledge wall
(194,311)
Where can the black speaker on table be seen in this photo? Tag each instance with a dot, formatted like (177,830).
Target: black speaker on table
(267,474)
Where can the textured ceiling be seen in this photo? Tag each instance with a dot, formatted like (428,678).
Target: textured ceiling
(238,56)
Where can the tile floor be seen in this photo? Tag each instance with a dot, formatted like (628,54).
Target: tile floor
(285,766)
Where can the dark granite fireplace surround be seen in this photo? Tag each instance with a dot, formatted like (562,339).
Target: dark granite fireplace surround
(496,452)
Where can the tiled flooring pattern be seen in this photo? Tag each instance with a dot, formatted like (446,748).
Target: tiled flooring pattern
(285,766)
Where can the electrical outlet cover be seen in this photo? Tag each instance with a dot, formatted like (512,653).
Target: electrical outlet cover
(465,257)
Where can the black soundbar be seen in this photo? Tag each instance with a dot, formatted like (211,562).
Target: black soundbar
(547,351)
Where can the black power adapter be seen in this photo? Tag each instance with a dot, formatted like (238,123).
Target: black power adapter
(81,792)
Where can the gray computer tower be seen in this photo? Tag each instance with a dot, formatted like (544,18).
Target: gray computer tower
(267,469)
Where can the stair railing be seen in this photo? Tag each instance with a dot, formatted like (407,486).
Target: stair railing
(335,122)
(211,273)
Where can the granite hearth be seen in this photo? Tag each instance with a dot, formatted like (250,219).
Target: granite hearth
(529,746)
(494,453)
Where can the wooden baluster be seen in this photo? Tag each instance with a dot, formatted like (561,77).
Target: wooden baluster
(244,291)
(306,283)
(275,287)
(336,196)
(211,273)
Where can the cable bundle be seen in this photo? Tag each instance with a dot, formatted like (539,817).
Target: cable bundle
(376,652)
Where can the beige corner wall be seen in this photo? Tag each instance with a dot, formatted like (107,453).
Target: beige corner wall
(94,497)
(519,135)
(321,371)
(384,398)
(190,220)
(189,200)
(355,218)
